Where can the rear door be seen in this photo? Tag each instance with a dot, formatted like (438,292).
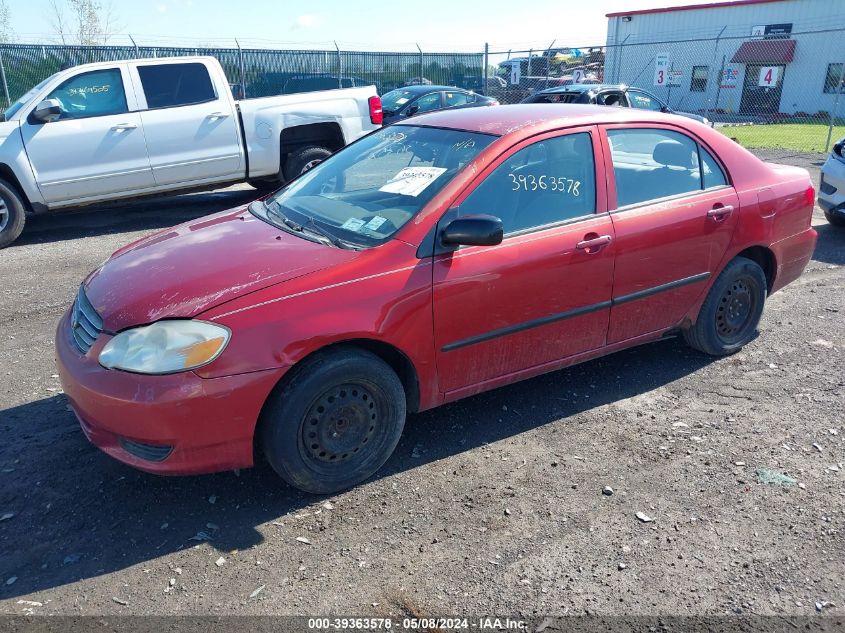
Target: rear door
(674,213)
(191,129)
(543,294)
(96,148)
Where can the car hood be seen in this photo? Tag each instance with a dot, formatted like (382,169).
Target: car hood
(186,270)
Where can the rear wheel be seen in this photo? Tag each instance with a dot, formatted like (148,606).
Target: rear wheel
(12,214)
(834,218)
(334,421)
(731,312)
(305,159)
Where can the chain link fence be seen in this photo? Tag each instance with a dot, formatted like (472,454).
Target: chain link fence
(255,72)
(778,91)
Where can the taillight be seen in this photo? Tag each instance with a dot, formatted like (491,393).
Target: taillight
(810,196)
(376,113)
(492,102)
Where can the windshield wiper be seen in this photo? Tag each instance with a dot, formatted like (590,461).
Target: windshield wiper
(312,226)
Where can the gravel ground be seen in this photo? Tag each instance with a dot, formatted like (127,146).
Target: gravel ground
(490,505)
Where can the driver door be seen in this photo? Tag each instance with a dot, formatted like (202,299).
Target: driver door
(543,294)
(96,148)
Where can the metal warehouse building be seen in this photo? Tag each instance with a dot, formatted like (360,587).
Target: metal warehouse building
(734,59)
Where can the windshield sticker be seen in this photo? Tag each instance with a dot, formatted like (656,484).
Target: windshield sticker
(375,223)
(352,224)
(402,101)
(412,181)
(530,182)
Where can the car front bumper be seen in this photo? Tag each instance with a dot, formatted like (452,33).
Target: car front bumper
(177,424)
(832,188)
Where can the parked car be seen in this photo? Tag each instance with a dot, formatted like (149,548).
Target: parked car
(121,129)
(832,188)
(437,258)
(412,100)
(608,94)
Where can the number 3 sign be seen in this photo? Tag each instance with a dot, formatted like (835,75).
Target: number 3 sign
(768,76)
(661,69)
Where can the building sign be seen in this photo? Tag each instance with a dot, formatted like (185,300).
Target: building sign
(778,30)
(758,31)
(516,73)
(661,69)
(578,76)
(676,78)
(729,77)
(768,76)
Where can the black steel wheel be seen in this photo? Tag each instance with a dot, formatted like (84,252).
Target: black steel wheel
(730,314)
(334,421)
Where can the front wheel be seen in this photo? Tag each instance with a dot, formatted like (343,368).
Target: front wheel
(12,214)
(834,218)
(334,421)
(731,312)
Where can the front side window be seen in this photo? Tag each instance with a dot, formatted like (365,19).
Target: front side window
(369,190)
(428,102)
(698,83)
(95,93)
(649,164)
(611,99)
(169,85)
(550,181)
(643,101)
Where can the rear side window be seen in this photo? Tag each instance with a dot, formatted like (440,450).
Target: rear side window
(457,99)
(642,101)
(96,93)
(649,164)
(547,182)
(169,85)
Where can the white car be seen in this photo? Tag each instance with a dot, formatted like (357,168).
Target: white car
(832,188)
(122,129)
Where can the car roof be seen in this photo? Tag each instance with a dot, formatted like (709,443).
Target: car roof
(583,88)
(417,88)
(536,118)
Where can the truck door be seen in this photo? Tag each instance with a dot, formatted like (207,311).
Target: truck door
(190,124)
(96,147)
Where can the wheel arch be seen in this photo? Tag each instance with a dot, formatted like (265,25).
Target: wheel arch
(328,134)
(8,174)
(763,257)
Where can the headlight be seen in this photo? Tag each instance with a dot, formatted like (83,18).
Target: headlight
(165,347)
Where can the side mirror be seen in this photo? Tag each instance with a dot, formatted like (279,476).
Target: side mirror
(47,111)
(412,110)
(473,230)
(665,109)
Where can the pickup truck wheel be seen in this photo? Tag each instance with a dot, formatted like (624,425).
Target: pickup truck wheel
(334,421)
(304,159)
(834,219)
(731,312)
(12,214)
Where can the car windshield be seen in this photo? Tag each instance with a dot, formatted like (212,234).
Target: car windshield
(366,192)
(12,110)
(395,99)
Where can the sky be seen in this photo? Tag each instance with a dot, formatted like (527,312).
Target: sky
(365,24)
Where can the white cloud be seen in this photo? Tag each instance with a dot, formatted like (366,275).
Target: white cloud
(305,22)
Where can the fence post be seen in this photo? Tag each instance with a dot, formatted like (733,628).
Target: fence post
(241,66)
(713,65)
(829,125)
(132,39)
(339,66)
(618,63)
(484,87)
(421,64)
(548,61)
(5,83)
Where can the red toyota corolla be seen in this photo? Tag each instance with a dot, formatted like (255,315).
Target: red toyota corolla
(429,261)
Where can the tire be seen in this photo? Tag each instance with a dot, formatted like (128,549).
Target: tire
(834,219)
(12,214)
(334,421)
(304,159)
(730,314)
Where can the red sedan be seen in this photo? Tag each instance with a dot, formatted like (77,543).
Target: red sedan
(429,261)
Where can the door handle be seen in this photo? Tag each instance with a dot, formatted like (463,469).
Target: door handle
(720,212)
(593,243)
(124,126)
(217,115)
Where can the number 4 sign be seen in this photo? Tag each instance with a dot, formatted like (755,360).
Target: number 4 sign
(661,69)
(768,76)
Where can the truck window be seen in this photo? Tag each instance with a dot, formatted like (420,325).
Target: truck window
(95,93)
(170,85)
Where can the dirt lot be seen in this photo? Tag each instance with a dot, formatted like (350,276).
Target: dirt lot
(492,505)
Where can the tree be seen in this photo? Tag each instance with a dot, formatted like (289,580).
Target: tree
(91,23)
(6,33)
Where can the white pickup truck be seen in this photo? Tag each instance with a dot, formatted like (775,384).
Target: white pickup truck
(114,130)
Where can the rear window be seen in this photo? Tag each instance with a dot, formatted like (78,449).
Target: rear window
(169,85)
